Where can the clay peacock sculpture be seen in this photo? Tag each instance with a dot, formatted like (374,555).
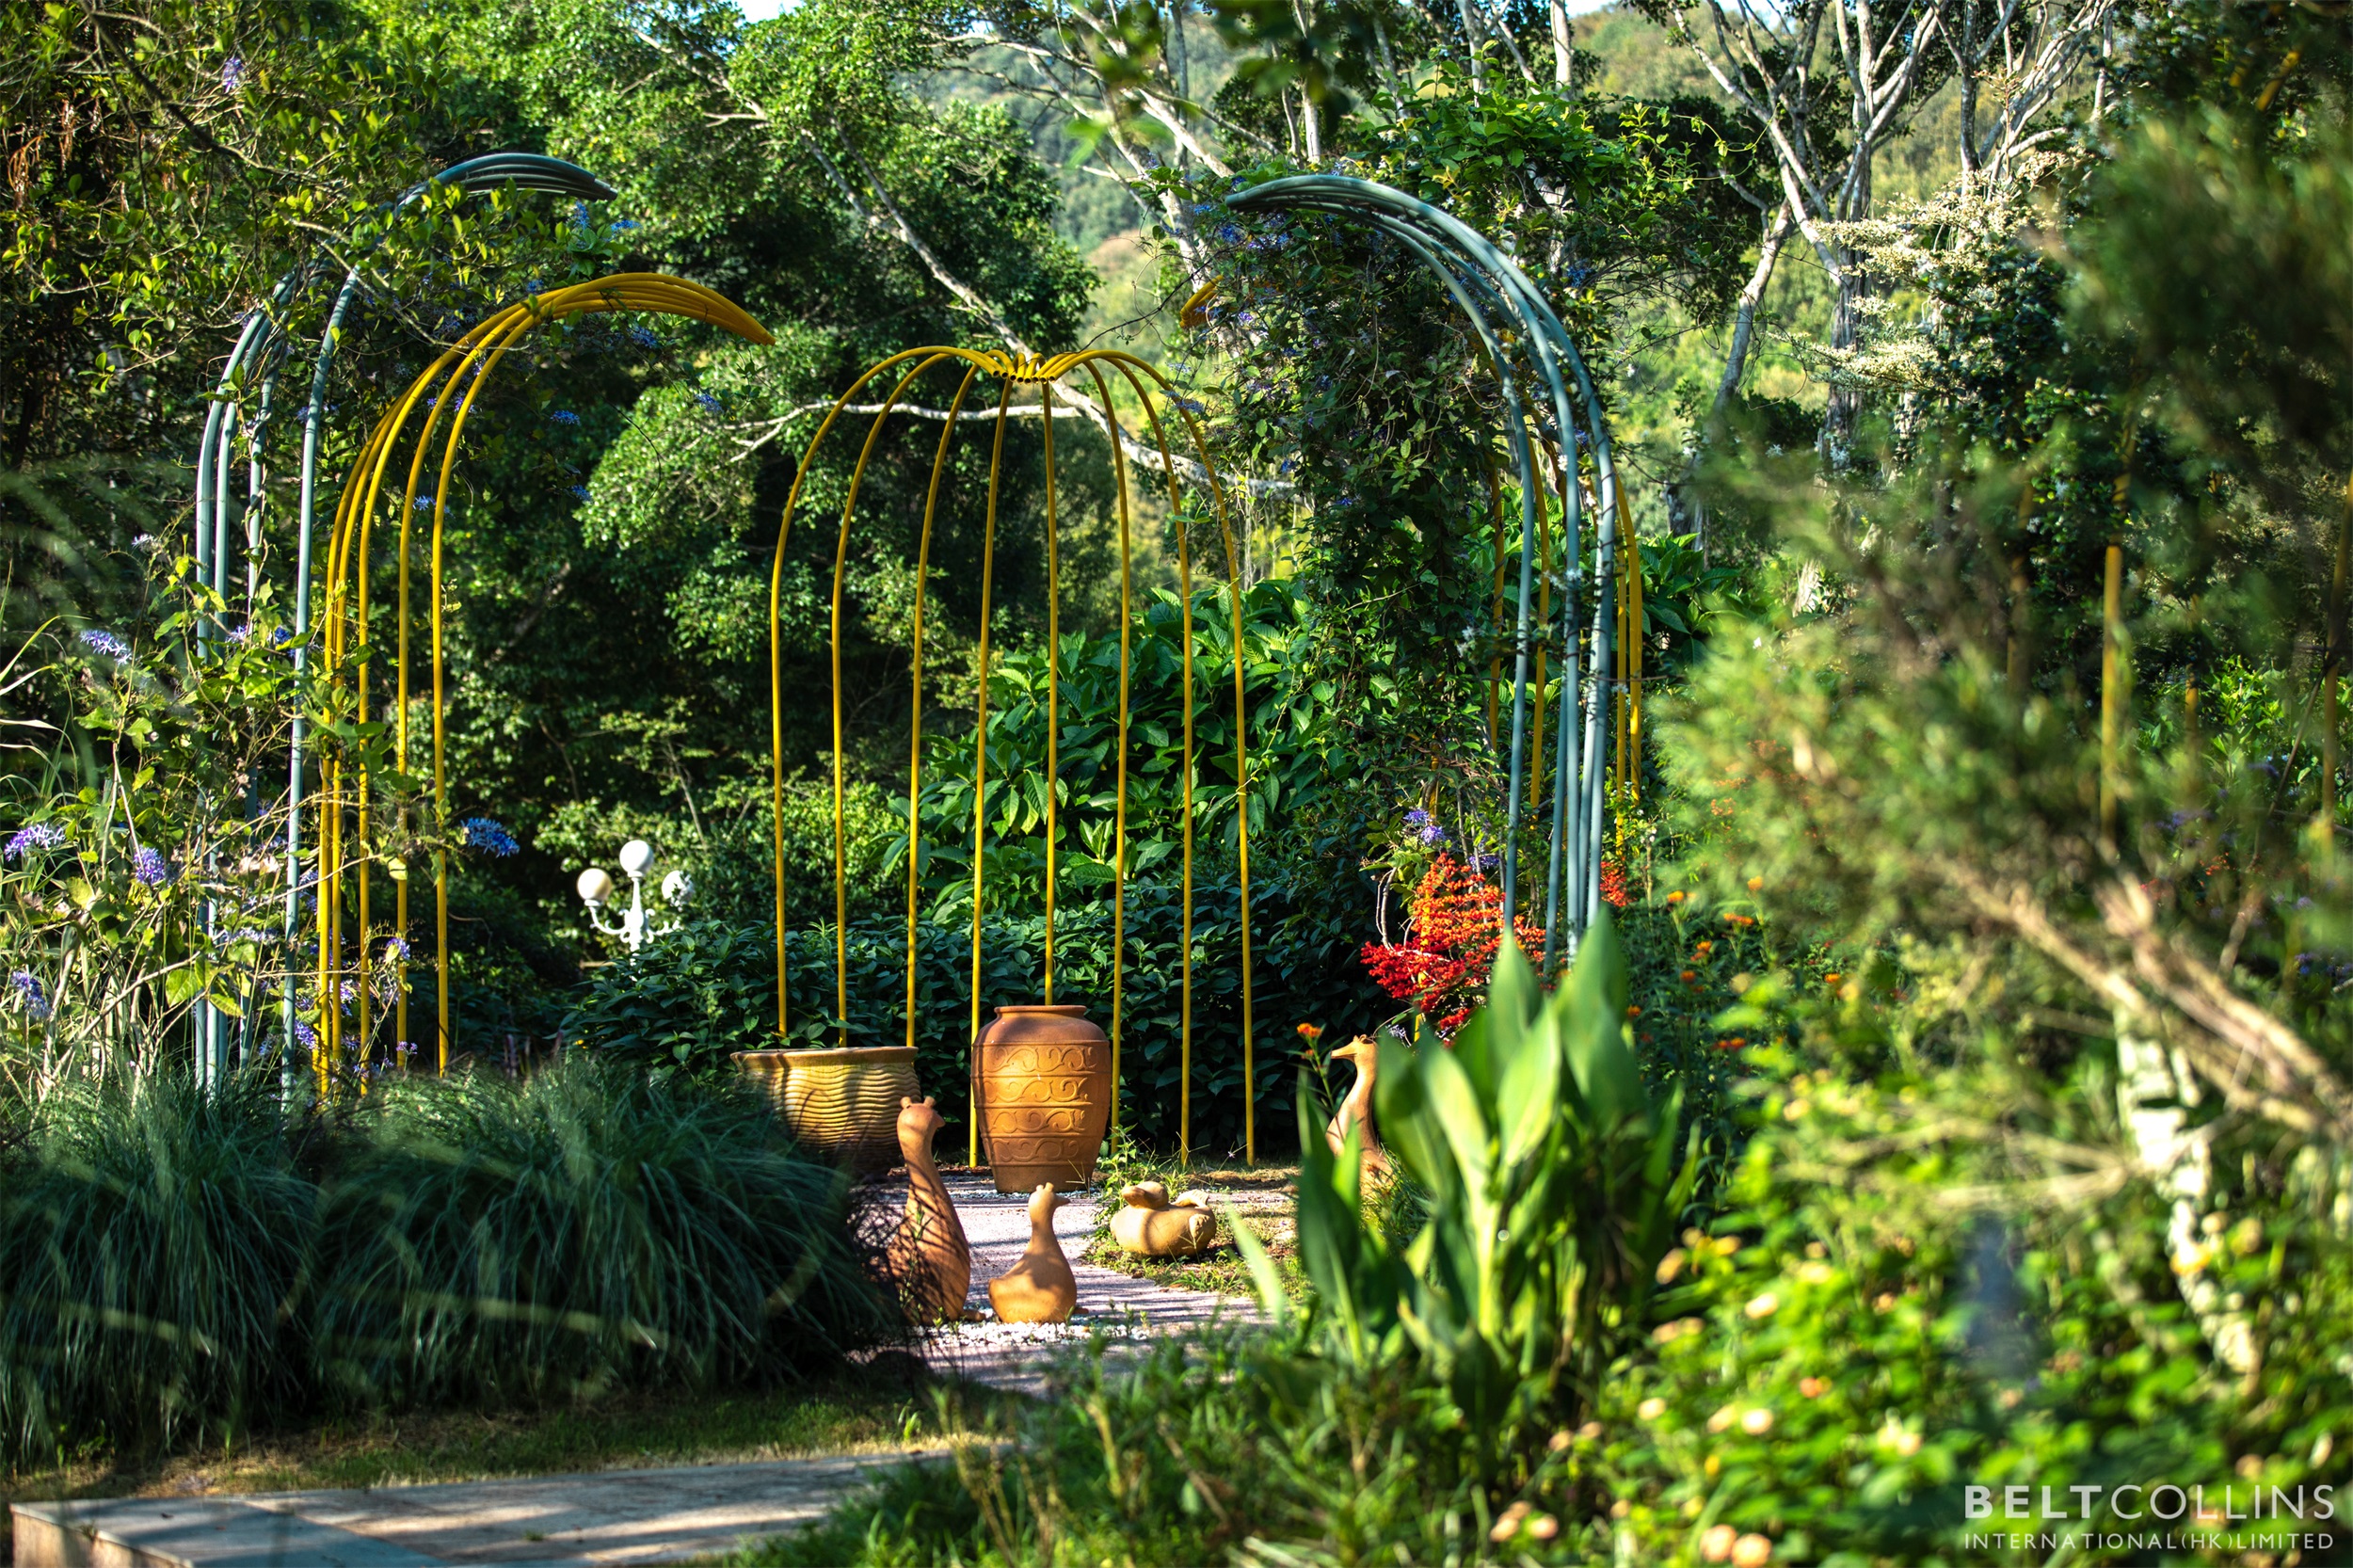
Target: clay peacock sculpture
(928,1253)
(1040,1289)
(1149,1224)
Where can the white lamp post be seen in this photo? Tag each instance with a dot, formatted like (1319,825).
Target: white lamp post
(636,927)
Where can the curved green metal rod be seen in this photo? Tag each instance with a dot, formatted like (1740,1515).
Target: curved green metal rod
(1493,291)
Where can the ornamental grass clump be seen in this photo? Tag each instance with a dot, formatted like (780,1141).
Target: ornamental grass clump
(153,1244)
(581,1230)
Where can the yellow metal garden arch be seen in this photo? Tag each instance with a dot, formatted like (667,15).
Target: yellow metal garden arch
(1010,370)
(347,656)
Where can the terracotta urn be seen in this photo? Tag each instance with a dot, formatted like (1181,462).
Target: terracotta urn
(1042,1081)
(842,1105)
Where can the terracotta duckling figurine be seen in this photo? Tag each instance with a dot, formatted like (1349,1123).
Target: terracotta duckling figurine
(928,1251)
(1040,1289)
(1149,1224)
(1356,1109)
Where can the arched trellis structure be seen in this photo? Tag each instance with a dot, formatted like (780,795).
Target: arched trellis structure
(345,790)
(1521,336)
(264,342)
(1143,383)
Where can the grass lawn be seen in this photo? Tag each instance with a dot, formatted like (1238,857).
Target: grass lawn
(890,1405)
(1261,1196)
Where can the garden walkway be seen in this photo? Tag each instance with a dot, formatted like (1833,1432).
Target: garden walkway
(613,1516)
(1018,1356)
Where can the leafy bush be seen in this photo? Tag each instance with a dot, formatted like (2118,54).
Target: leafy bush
(1842,1355)
(153,1244)
(1551,1188)
(579,1231)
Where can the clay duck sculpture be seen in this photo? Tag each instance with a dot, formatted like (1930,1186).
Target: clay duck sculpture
(1149,1224)
(1356,1109)
(1040,1289)
(928,1253)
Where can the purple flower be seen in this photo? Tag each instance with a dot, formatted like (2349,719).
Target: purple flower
(106,643)
(40,835)
(396,949)
(149,867)
(579,492)
(642,336)
(30,995)
(563,416)
(305,1036)
(710,404)
(488,835)
(233,74)
(423,504)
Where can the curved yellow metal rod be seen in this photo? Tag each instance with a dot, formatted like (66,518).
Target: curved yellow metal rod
(776,650)
(478,351)
(1042,373)
(1119,817)
(840,832)
(1128,364)
(979,756)
(1053,676)
(914,731)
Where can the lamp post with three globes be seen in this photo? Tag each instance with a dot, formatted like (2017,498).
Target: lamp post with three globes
(636,927)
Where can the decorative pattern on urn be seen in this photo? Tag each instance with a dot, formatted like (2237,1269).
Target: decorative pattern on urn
(1043,1082)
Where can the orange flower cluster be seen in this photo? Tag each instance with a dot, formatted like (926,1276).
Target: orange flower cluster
(1457,924)
(1613,887)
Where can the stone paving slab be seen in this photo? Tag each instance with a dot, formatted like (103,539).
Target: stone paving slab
(194,1533)
(576,1521)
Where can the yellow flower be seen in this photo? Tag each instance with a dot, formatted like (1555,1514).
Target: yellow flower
(1814,1274)
(1716,1543)
(1756,1423)
(1652,1408)
(1723,1419)
(1508,1525)
(1752,1551)
(1764,1305)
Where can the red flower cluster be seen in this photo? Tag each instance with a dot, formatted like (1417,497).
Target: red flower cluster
(1613,887)
(1457,924)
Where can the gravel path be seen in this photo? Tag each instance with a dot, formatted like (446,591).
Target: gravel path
(1019,1355)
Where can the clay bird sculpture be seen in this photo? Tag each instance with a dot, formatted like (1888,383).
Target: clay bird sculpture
(1040,1289)
(1356,1109)
(928,1253)
(1147,1223)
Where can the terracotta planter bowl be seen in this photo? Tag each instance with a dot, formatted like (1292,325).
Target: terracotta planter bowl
(1042,1083)
(842,1105)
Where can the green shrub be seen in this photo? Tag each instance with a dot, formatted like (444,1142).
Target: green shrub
(490,1240)
(1836,1366)
(153,1244)
(1551,1187)
(1185,1457)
